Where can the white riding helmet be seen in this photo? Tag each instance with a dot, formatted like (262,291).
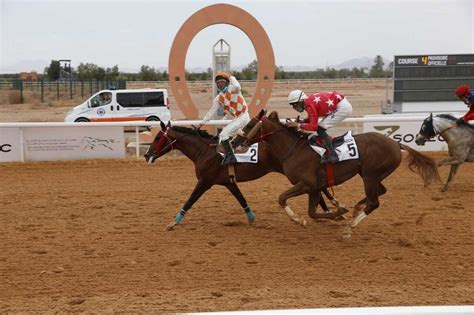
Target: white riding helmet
(296,96)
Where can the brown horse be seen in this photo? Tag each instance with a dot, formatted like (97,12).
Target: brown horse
(379,156)
(200,147)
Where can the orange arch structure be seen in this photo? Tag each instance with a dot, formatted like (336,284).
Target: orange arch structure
(221,14)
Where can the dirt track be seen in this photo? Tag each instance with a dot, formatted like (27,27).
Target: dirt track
(88,236)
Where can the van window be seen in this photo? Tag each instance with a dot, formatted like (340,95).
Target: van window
(130,99)
(154,99)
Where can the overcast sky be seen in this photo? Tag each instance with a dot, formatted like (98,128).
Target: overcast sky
(307,33)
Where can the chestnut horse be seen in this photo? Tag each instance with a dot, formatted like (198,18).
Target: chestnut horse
(379,156)
(200,147)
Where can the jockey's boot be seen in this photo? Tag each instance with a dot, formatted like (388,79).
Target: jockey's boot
(229,157)
(331,155)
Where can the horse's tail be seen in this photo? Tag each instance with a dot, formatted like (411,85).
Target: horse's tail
(422,164)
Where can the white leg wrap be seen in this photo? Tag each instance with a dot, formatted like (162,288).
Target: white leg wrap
(294,217)
(361,216)
(289,212)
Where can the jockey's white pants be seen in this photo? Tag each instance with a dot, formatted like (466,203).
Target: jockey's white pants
(231,129)
(343,110)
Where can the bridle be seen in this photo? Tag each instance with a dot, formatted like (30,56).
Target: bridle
(441,132)
(170,142)
(159,146)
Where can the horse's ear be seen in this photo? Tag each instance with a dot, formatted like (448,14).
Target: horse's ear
(168,125)
(261,113)
(163,127)
(274,116)
(431,115)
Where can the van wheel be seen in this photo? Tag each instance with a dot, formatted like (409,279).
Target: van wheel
(82,120)
(151,118)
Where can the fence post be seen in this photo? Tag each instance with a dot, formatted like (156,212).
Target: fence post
(137,142)
(57,88)
(21,91)
(42,91)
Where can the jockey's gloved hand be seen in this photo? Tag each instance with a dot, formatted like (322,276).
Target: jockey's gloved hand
(292,124)
(460,121)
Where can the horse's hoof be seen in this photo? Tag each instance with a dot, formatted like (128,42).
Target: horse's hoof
(304,223)
(250,217)
(314,216)
(346,236)
(170,227)
(347,233)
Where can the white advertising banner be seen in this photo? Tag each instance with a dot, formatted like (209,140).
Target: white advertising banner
(10,149)
(66,143)
(405,132)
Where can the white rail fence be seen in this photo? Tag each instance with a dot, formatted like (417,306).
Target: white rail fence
(71,141)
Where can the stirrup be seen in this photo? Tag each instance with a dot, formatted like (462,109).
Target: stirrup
(228,159)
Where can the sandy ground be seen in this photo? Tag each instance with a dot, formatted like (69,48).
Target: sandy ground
(366,98)
(88,236)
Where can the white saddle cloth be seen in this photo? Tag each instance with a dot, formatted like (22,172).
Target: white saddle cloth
(345,151)
(250,156)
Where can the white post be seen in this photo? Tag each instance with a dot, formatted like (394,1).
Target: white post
(137,143)
(22,146)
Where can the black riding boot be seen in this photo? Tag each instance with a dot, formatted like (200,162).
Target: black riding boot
(331,155)
(229,157)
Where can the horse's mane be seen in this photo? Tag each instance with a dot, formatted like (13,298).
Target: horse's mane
(447,116)
(452,118)
(274,117)
(194,132)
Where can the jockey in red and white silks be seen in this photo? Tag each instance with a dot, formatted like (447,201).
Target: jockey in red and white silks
(333,107)
(231,99)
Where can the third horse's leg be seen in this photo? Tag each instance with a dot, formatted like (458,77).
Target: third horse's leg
(452,173)
(234,189)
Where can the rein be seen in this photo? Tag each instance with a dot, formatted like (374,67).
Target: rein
(291,151)
(259,138)
(450,127)
(173,141)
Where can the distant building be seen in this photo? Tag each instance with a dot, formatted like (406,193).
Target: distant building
(29,76)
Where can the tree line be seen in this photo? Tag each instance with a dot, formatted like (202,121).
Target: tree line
(90,71)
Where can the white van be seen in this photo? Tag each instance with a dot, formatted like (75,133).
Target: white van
(123,105)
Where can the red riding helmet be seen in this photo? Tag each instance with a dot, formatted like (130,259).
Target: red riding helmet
(462,90)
